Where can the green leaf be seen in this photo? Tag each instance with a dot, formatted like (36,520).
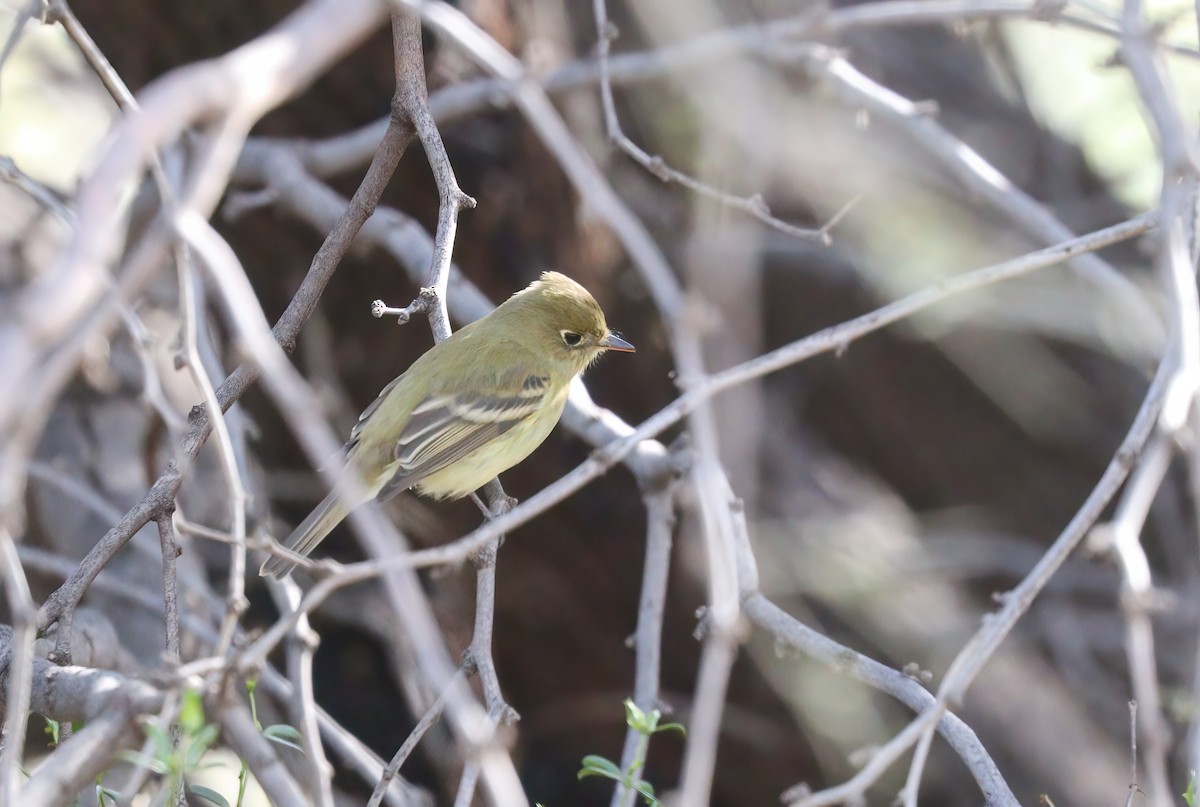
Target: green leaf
(673,727)
(163,748)
(143,761)
(647,791)
(191,712)
(52,730)
(1189,795)
(635,718)
(594,765)
(199,744)
(208,794)
(284,735)
(105,795)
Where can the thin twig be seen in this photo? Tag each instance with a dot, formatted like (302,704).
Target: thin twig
(170,552)
(478,659)
(980,648)
(466,785)
(1133,756)
(412,96)
(647,643)
(343,152)
(17,657)
(722,617)
(191,308)
(46,198)
(975,174)
(843,660)
(59,11)
(303,706)
(753,205)
(1180,172)
(432,715)
(1128,522)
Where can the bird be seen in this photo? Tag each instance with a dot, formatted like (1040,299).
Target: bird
(472,406)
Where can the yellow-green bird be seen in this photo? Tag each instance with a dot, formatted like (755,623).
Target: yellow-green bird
(471,407)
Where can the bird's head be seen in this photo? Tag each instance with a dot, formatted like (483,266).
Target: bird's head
(568,321)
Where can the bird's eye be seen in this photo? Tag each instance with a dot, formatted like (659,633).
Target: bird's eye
(570,338)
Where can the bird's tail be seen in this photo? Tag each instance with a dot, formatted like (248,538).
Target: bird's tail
(304,539)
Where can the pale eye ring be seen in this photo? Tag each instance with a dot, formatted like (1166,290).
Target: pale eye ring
(570,338)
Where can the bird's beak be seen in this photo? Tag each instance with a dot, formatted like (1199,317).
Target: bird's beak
(614,342)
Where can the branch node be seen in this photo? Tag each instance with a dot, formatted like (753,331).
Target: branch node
(504,715)
(237,605)
(913,670)
(425,301)
(463,200)
(658,166)
(703,624)
(796,792)
(485,556)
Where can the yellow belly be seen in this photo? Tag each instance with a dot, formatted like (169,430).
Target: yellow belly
(488,461)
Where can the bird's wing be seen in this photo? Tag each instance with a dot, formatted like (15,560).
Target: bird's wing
(445,428)
(370,410)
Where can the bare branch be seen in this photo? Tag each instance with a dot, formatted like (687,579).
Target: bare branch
(12,175)
(754,205)
(107,702)
(660,524)
(303,707)
(769,618)
(976,653)
(1125,531)
(18,665)
(324,263)
(432,715)
(976,175)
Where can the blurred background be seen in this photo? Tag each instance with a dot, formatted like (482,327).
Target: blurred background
(891,489)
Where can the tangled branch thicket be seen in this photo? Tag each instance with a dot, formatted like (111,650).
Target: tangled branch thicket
(897,500)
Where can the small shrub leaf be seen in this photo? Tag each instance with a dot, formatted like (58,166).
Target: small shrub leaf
(191,712)
(284,735)
(208,794)
(594,765)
